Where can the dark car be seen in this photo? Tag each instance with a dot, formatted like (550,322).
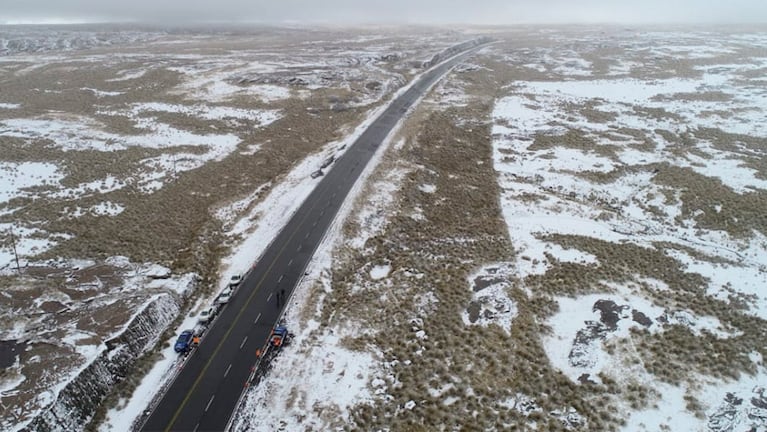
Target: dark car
(184,340)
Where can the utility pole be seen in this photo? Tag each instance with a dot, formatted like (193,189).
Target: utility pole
(15,254)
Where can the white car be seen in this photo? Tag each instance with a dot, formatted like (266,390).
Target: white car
(225,296)
(207,315)
(234,282)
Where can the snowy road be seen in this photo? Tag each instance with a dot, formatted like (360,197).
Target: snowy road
(206,391)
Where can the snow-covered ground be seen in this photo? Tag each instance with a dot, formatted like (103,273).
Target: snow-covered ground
(546,140)
(148,118)
(588,142)
(15,39)
(593,335)
(271,214)
(58,345)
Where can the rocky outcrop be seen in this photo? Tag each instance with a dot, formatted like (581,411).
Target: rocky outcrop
(77,402)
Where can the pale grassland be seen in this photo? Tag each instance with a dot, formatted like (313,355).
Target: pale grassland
(459,227)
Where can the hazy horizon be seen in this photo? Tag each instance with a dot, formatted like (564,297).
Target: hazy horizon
(350,12)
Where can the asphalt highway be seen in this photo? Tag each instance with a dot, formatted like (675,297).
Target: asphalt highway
(205,392)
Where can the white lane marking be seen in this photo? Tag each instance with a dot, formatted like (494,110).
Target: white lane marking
(195,427)
(280,279)
(290,262)
(314,224)
(257,318)
(307,235)
(270,296)
(322,213)
(243,342)
(227,370)
(209,402)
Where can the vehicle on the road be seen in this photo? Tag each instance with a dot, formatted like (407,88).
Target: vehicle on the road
(326,163)
(235,280)
(225,296)
(279,337)
(184,340)
(207,315)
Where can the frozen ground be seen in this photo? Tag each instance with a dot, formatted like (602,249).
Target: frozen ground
(631,176)
(183,152)
(629,165)
(587,156)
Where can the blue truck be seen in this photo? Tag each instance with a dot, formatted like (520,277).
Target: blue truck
(279,337)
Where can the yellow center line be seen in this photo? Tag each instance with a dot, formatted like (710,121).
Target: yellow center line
(236,320)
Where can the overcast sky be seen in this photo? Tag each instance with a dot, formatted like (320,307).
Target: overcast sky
(386,11)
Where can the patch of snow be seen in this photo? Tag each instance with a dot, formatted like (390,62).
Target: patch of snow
(521,403)
(208,112)
(380,272)
(427,188)
(29,242)
(10,381)
(725,280)
(584,325)
(106,209)
(155,271)
(729,406)
(229,213)
(495,307)
(126,75)
(122,417)
(270,93)
(371,217)
(102,93)
(338,381)
(15,177)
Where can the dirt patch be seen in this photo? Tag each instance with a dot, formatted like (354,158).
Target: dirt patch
(9,352)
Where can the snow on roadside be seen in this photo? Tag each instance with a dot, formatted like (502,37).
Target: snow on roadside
(121,418)
(304,393)
(270,215)
(68,338)
(284,199)
(337,380)
(371,216)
